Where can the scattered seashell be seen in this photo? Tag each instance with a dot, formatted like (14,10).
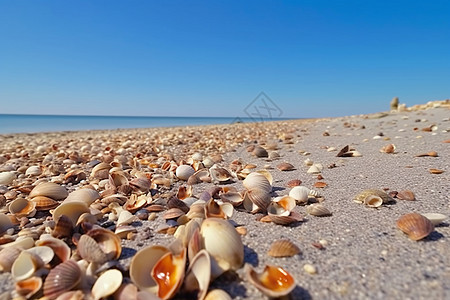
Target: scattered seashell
(183,172)
(256,197)
(293,182)
(49,189)
(285,167)
(28,287)
(198,274)
(320,184)
(7,257)
(314,169)
(258,181)
(436,171)
(44,203)
(318,210)
(406,195)
(5,223)
(435,218)
(220,174)
(310,269)
(283,248)
(373,201)
(168,273)
(415,226)
(6,178)
(73,210)
(25,265)
(259,151)
(62,278)
(300,194)
(274,281)
(360,198)
(88,196)
(63,227)
(390,148)
(33,171)
(431,154)
(21,207)
(107,284)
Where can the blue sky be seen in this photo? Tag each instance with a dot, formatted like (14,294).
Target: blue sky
(212,58)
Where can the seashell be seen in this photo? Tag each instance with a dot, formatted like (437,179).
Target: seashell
(72,209)
(314,169)
(406,195)
(86,218)
(215,210)
(25,265)
(283,248)
(274,155)
(300,194)
(234,198)
(435,218)
(198,274)
(318,210)
(168,273)
(118,178)
(22,242)
(436,171)
(359,198)
(266,174)
(184,192)
(256,197)
(217,294)
(223,243)
(74,176)
(373,201)
(320,184)
(293,183)
(257,181)
(49,189)
(259,151)
(123,231)
(285,167)
(282,219)
(135,203)
(388,148)
(108,241)
(28,287)
(431,154)
(59,247)
(6,178)
(183,172)
(21,207)
(5,223)
(90,250)
(142,184)
(33,171)
(173,213)
(100,171)
(88,196)
(7,257)
(127,291)
(107,284)
(44,203)
(287,202)
(62,278)
(44,253)
(415,226)
(125,218)
(63,227)
(220,174)
(273,282)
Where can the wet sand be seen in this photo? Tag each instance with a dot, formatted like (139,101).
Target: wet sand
(364,254)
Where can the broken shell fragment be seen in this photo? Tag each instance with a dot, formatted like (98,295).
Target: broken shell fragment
(436,171)
(415,226)
(168,273)
(198,274)
(28,287)
(21,207)
(373,201)
(274,281)
(435,218)
(283,248)
(390,148)
(25,265)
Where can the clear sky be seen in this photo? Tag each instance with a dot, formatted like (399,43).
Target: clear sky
(212,58)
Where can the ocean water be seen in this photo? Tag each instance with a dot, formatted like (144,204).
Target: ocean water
(10,123)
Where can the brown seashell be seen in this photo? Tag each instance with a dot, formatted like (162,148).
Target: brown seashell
(62,278)
(388,149)
(89,250)
(320,184)
(446,141)
(184,192)
(108,241)
(63,227)
(293,217)
(431,154)
(7,257)
(259,151)
(44,203)
(274,281)
(135,203)
(293,182)
(318,210)
(260,198)
(220,174)
(155,208)
(177,203)
(436,171)
(49,189)
(141,184)
(21,207)
(406,195)
(285,167)
(59,247)
(360,198)
(283,248)
(415,226)
(74,176)
(28,287)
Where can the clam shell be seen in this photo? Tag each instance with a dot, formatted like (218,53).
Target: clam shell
(293,217)
(88,196)
(142,184)
(168,273)
(406,195)
(173,213)
(259,151)
(108,241)
(63,227)
(33,171)
(21,207)
(183,172)
(266,174)
(44,203)
(274,281)
(62,278)
(220,174)
(435,218)
(415,226)
(45,253)
(257,181)
(234,198)
(7,257)
(299,193)
(388,148)
(5,223)
(107,284)
(125,218)
(59,247)
(318,210)
(285,167)
(373,201)
(198,274)
(49,189)
(362,195)
(283,248)
(90,250)
(72,209)
(6,178)
(287,202)
(293,183)
(25,265)
(223,243)
(260,198)
(28,287)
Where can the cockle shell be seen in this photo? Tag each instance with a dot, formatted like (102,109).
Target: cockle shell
(318,210)
(220,174)
(86,195)
(300,194)
(216,210)
(21,207)
(287,202)
(108,241)
(90,250)
(234,198)
(63,227)
(223,243)
(359,198)
(107,284)
(183,172)
(256,197)
(6,178)
(257,181)
(44,203)
(285,167)
(49,189)
(415,226)
(62,278)
(274,281)
(284,218)
(283,248)
(33,171)
(28,287)
(7,257)
(5,223)
(142,184)
(259,151)
(72,209)
(406,195)
(44,253)
(25,265)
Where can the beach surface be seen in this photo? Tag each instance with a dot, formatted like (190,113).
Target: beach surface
(356,253)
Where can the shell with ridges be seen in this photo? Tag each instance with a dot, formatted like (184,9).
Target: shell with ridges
(283,248)
(260,198)
(300,194)
(49,189)
(318,210)
(28,287)
(257,181)
(62,278)
(73,210)
(198,274)
(88,196)
(415,226)
(183,172)
(7,257)
(360,197)
(21,207)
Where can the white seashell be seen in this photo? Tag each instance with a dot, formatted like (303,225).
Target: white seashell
(24,242)
(183,172)
(85,195)
(72,209)
(217,294)
(49,189)
(125,218)
(435,218)
(107,284)
(198,275)
(274,281)
(45,253)
(257,181)
(5,223)
(308,162)
(6,178)
(299,193)
(25,265)
(33,171)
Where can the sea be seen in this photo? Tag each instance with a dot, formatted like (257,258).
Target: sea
(15,123)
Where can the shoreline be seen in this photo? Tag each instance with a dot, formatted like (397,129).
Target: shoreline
(363,255)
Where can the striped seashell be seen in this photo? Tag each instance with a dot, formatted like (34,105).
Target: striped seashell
(283,248)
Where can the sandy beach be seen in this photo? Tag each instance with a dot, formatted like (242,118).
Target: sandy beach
(357,252)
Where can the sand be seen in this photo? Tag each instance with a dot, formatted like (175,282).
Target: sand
(365,255)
